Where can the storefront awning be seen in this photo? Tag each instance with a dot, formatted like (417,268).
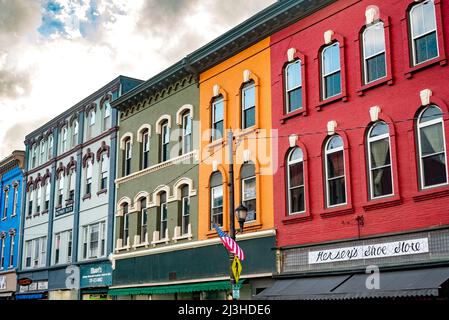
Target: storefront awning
(405,283)
(191,287)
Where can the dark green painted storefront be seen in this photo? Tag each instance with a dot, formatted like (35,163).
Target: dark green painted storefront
(194,264)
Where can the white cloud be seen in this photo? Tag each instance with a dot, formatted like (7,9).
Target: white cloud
(52,74)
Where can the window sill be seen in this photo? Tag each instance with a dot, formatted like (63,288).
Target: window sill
(104,191)
(28,217)
(249,226)
(293,114)
(44,212)
(410,70)
(246,132)
(383,203)
(214,144)
(37,214)
(127,248)
(4,218)
(296,218)
(387,80)
(337,211)
(87,196)
(69,202)
(13,215)
(430,194)
(166,241)
(183,237)
(58,207)
(340,97)
(141,245)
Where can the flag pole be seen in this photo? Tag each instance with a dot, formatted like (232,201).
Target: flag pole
(231,205)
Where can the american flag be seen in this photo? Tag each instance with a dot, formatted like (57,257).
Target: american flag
(229,243)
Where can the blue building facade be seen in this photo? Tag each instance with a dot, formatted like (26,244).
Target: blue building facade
(11,182)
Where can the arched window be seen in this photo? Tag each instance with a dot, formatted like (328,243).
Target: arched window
(104,174)
(47,195)
(89,175)
(423,30)
(107,116)
(75,128)
(379,161)
(248,183)
(335,172)
(127,154)
(374,58)
(91,124)
(6,202)
(248,105)
(293,86)
(50,147)
(60,195)
(30,201)
(143,219)
(186,133)
(295,182)
(42,152)
(185,210)
(217,118)
(432,147)
(216,200)
(331,71)
(164,142)
(64,142)
(38,198)
(125,232)
(145,162)
(163,216)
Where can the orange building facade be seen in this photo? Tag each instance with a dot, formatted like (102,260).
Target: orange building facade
(236,95)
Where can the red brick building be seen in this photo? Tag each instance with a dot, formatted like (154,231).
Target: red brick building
(360,95)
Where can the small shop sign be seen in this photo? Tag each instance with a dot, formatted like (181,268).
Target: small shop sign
(371,251)
(98,275)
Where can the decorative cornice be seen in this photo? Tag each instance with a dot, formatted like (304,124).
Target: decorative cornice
(71,164)
(91,106)
(89,155)
(103,148)
(74,117)
(45,177)
(37,181)
(30,183)
(60,169)
(106,97)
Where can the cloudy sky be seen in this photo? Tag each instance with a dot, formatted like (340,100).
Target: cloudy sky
(54,53)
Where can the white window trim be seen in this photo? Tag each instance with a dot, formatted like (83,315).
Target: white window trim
(162,233)
(212,204)
(326,153)
(12,244)
(421,126)
(287,89)
(2,252)
(87,240)
(289,163)
(214,104)
(186,136)
(365,58)
(324,75)
(183,215)
(370,165)
(6,203)
(15,201)
(414,37)
(246,88)
(243,193)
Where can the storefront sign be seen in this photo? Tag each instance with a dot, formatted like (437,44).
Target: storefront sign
(25,281)
(60,212)
(2,282)
(382,250)
(35,286)
(98,275)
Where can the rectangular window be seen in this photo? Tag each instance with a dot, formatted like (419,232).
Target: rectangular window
(249,197)
(217,206)
(145,150)
(15,201)
(164,220)
(165,139)
(107,116)
(248,106)
(128,154)
(30,201)
(104,172)
(72,185)
(11,250)
(50,147)
(75,133)
(102,239)
(89,169)
(187,133)
(293,86)
(93,241)
(60,190)
(217,119)
(423,32)
(28,253)
(57,247)
(64,140)
(90,128)
(185,215)
(331,71)
(85,239)
(374,57)
(42,152)
(144,222)
(39,199)
(5,208)
(2,253)
(34,157)
(43,255)
(47,196)
(69,246)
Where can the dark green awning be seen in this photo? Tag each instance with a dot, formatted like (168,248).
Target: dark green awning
(189,287)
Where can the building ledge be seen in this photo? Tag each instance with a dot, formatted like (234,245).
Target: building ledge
(382,203)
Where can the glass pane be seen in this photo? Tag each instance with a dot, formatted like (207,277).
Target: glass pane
(296,155)
(379,129)
(434,170)
(430,114)
(426,47)
(297,200)
(251,206)
(380,153)
(218,111)
(335,164)
(249,189)
(374,40)
(336,142)
(423,18)
(296,175)
(376,68)
(337,191)
(331,59)
(382,183)
(295,99)
(432,140)
(249,99)
(217,197)
(218,130)
(250,117)
(332,85)
(294,75)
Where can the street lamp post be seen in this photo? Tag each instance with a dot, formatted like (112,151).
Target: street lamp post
(241,212)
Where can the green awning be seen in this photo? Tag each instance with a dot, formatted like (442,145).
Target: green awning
(191,287)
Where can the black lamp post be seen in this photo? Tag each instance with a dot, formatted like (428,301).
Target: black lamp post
(241,212)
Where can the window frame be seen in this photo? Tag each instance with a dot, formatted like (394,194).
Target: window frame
(326,175)
(163,208)
(164,142)
(15,201)
(186,135)
(104,171)
(127,157)
(212,214)
(88,178)
(369,141)
(145,149)
(250,85)
(365,58)
(185,216)
(12,244)
(419,126)
(323,76)
(242,184)
(216,101)
(6,203)
(289,188)
(75,134)
(288,90)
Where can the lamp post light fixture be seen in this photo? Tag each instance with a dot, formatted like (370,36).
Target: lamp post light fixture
(241,212)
